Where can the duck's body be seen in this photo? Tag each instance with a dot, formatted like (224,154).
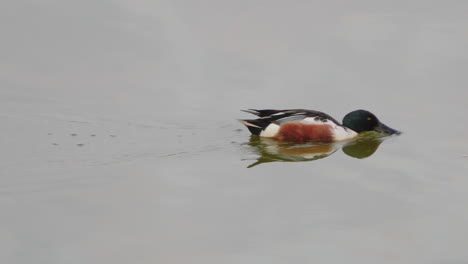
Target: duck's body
(308,125)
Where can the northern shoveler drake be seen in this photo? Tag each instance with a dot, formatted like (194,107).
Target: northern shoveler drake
(302,125)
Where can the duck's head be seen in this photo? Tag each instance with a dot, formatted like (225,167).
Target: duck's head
(362,120)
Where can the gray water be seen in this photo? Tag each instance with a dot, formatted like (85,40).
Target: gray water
(120,142)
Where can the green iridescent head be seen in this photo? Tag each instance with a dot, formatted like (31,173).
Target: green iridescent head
(362,120)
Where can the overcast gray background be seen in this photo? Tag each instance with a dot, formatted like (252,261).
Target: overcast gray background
(120,143)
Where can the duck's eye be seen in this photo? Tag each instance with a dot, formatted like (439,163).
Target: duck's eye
(369,118)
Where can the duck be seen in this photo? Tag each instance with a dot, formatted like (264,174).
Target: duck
(302,125)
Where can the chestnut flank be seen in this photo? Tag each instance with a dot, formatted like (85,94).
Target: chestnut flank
(305,132)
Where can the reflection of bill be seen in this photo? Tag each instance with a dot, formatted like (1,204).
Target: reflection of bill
(271,150)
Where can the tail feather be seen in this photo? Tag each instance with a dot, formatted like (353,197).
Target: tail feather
(255,126)
(264,112)
(251,111)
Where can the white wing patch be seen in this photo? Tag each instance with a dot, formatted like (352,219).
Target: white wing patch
(314,121)
(270,131)
(279,113)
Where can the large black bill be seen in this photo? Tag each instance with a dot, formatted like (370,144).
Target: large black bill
(382,128)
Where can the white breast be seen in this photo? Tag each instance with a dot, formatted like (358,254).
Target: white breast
(342,133)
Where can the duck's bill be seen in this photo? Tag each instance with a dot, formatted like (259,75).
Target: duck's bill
(382,128)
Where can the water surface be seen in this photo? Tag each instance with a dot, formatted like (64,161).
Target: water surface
(120,142)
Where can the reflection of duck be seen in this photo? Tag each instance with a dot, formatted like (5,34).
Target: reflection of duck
(271,150)
(301,125)
(363,147)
